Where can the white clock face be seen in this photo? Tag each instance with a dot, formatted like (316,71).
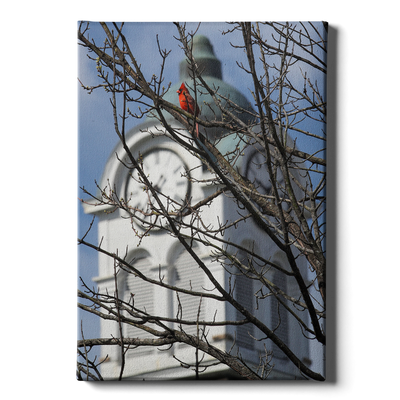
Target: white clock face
(168,174)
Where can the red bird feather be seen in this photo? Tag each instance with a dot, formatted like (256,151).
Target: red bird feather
(188,104)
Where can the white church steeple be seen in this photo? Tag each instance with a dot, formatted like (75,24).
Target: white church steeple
(161,255)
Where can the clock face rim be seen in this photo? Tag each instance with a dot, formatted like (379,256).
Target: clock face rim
(144,152)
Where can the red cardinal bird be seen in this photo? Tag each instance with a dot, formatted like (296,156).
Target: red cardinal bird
(188,104)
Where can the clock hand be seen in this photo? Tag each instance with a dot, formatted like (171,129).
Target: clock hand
(160,183)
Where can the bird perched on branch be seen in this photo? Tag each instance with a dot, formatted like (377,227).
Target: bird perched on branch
(188,104)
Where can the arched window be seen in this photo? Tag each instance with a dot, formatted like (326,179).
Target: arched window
(244,294)
(140,295)
(186,274)
(278,314)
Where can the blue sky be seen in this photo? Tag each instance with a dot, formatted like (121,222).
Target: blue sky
(95,121)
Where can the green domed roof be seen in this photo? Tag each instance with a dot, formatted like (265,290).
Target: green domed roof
(210,68)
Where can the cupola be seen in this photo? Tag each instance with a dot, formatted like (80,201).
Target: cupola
(211,71)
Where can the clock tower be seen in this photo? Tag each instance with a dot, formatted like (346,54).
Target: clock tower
(168,167)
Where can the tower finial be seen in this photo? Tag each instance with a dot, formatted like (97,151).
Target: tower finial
(203,52)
